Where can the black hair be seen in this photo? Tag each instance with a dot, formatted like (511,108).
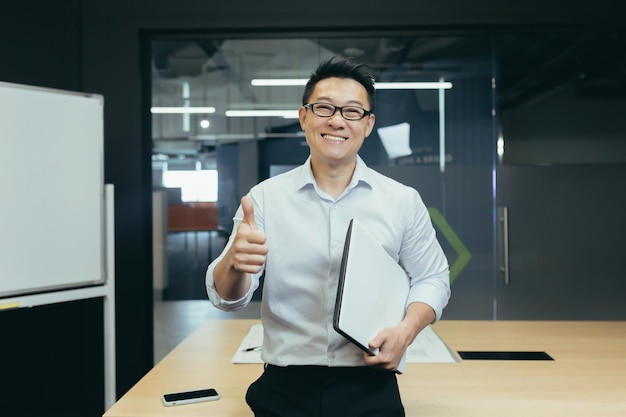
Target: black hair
(344,68)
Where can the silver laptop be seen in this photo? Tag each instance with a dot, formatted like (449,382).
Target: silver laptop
(372,290)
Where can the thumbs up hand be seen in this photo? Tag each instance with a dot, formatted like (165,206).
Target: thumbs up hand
(248,212)
(249,248)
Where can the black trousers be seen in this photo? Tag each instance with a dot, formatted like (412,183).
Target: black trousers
(319,391)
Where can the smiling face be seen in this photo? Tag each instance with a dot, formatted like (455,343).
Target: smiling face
(335,141)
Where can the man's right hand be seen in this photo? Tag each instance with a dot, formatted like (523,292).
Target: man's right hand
(249,249)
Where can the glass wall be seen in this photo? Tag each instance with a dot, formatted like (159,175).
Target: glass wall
(530,119)
(230,105)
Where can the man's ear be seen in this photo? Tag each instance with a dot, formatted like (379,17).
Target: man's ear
(302,114)
(370,124)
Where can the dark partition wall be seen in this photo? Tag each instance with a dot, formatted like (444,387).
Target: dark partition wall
(566,242)
(52,360)
(48,351)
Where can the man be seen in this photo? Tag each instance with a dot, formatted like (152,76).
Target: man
(292,227)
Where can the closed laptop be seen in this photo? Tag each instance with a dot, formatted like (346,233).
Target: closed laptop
(372,290)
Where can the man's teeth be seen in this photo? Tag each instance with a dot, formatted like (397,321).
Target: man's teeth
(337,138)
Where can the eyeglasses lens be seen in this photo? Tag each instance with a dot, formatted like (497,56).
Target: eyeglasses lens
(348,112)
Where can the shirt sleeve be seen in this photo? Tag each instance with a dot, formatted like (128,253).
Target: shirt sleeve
(424,260)
(218,301)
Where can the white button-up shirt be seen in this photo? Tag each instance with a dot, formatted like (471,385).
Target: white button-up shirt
(305,230)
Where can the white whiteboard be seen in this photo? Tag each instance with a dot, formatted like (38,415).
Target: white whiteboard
(51,190)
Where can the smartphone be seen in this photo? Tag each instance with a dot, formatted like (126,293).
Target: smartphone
(188,397)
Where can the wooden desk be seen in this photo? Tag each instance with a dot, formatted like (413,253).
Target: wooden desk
(586,379)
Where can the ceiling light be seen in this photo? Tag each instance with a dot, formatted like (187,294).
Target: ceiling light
(437,85)
(286,114)
(414,86)
(181,110)
(277,82)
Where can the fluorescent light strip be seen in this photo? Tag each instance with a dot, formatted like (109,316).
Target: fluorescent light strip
(277,82)
(286,114)
(181,110)
(414,86)
(263,82)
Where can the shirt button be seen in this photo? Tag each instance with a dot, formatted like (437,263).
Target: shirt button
(331,355)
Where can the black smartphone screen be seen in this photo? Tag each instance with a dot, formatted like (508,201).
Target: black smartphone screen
(180,396)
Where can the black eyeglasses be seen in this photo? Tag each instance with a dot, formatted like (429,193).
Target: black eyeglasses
(347,112)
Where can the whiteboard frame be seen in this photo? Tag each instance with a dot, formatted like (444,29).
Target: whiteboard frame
(44,275)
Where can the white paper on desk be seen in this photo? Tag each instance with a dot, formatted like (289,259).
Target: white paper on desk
(249,351)
(396,140)
(429,348)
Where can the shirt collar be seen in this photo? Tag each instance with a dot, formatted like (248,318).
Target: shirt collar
(361,174)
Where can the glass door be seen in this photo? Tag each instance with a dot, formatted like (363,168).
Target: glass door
(560,205)
(452,144)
